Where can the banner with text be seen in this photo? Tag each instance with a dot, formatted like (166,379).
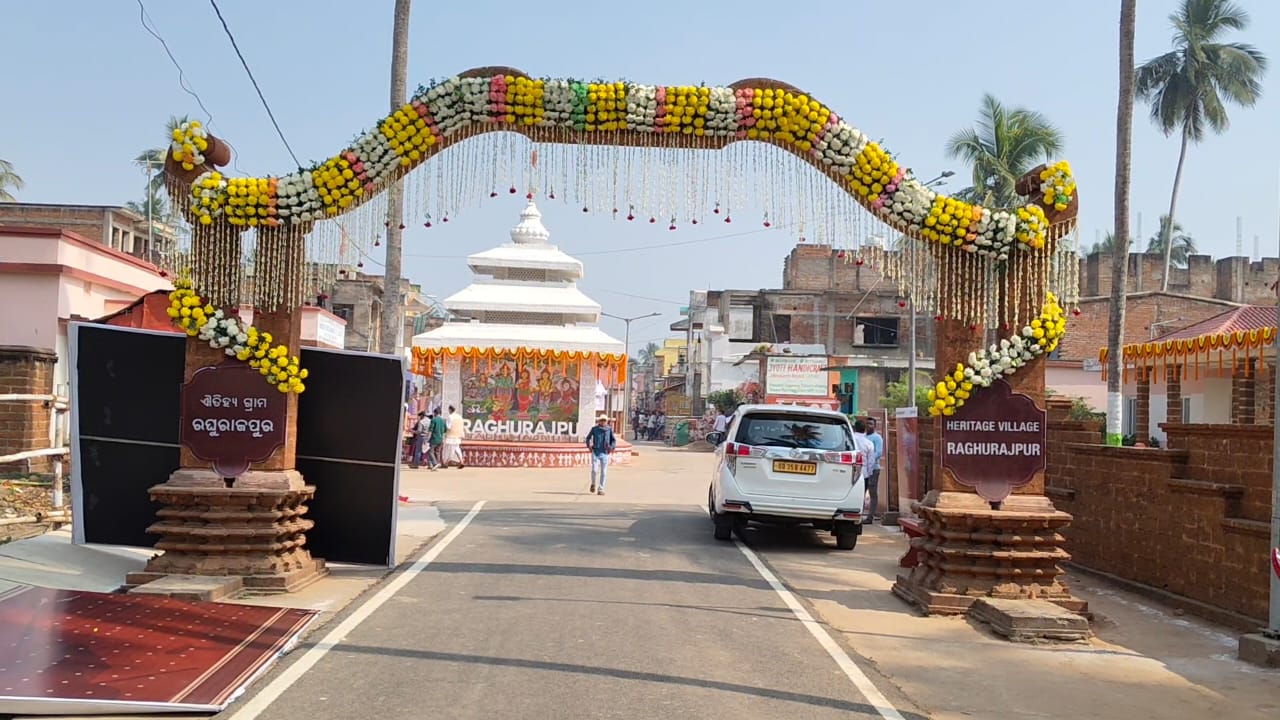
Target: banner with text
(802,376)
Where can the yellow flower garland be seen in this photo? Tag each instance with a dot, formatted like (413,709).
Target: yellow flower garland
(1040,337)
(243,342)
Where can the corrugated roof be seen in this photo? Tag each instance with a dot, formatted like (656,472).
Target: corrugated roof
(1246,317)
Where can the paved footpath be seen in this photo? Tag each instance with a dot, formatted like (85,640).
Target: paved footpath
(575,610)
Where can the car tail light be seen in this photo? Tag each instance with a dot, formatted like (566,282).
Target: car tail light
(742,450)
(842,458)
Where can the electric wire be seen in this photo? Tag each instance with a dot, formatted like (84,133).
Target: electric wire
(252,79)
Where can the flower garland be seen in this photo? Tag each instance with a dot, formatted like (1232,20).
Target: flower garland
(1057,185)
(189,141)
(1038,338)
(243,342)
(456,106)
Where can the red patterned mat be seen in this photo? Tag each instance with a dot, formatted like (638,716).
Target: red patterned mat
(66,651)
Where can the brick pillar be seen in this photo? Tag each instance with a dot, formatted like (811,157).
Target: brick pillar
(1243,389)
(1173,394)
(1142,418)
(24,424)
(1264,395)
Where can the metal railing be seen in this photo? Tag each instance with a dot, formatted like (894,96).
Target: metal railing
(58,449)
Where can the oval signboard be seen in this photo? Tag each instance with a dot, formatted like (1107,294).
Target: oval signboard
(232,418)
(996,442)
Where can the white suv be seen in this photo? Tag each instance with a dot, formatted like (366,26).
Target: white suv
(787,465)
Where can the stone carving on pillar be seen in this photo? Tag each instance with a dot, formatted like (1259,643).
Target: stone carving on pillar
(989,530)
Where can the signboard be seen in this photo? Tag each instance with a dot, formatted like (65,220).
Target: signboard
(996,442)
(231,417)
(907,457)
(1091,365)
(521,399)
(805,376)
(820,403)
(331,331)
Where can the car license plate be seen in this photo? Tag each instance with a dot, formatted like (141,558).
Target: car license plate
(796,468)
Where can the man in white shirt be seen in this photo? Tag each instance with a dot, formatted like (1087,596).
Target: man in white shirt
(722,424)
(867,449)
(456,429)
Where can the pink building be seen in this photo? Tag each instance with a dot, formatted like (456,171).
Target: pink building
(48,277)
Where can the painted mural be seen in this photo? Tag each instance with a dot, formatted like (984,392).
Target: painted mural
(509,398)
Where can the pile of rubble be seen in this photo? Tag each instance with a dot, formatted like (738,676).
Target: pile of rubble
(26,507)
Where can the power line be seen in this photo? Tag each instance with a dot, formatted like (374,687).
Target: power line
(640,297)
(145,18)
(253,80)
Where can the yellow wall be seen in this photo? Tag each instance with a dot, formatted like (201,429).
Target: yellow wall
(669,355)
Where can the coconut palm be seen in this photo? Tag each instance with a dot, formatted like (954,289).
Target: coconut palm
(1120,236)
(1184,246)
(1105,246)
(9,180)
(151,160)
(1189,87)
(154,206)
(1004,145)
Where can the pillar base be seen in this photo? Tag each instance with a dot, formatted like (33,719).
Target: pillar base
(969,551)
(251,528)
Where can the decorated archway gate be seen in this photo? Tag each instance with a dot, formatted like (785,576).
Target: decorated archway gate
(669,156)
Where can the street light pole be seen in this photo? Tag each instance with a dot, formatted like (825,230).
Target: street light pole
(911,302)
(626,387)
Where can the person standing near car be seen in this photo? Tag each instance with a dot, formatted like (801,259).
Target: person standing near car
(873,479)
(865,448)
(601,442)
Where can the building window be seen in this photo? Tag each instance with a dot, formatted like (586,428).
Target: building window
(1131,417)
(1186,410)
(781,329)
(875,331)
(346,311)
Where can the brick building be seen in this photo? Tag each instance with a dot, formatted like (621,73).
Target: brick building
(1236,280)
(848,309)
(115,227)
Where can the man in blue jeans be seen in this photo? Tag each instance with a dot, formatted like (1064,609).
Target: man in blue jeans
(601,442)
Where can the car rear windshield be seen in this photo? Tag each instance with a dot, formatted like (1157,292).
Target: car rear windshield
(792,430)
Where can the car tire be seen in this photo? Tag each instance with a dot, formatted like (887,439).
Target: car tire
(723,527)
(846,536)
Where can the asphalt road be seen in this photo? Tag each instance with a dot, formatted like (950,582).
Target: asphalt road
(575,611)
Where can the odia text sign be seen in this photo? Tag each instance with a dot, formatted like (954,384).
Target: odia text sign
(231,417)
(996,442)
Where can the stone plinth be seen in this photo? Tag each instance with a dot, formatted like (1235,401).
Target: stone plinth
(1030,620)
(252,528)
(970,551)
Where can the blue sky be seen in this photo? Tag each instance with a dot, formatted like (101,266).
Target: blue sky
(87,88)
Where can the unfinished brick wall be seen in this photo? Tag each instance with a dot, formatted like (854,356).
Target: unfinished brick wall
(1087,332)
(24,425)
(1190,520)
(1237,279)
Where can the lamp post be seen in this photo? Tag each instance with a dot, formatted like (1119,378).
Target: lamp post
(626,387)
(911,303)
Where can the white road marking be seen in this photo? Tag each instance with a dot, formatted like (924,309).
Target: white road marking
(837,653)
(269,694)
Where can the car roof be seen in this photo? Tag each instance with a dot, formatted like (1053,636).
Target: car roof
(792,409)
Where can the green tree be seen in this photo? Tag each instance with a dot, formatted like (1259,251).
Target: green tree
(9,180)
(1105,246)
(895,394)
(154,203)
(648,353)
(1189,87)
(1004,145)
(152,159)
(1184,246)
(725,400)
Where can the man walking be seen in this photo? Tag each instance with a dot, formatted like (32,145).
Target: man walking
(419,440)
(435,439)
(873,479)
(453,435)
(601,442)
(868,452)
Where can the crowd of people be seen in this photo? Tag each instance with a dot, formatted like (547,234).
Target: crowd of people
(648,425)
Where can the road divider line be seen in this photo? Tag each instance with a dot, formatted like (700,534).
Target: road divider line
(269,694)
(837,653)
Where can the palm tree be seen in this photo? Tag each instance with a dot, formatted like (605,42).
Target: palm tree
(1184,246)
(648,353)
(1187,86)
(1002,147)
(1105,246)
(152,159)
(9,179)
(153,206)
(1120,235)
(393,312)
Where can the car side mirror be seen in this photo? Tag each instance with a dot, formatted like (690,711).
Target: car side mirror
(715,437)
